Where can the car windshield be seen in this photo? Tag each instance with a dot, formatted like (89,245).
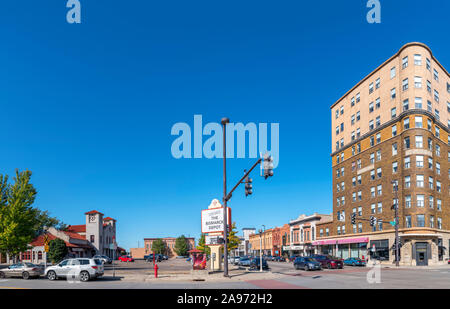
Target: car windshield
(307,259)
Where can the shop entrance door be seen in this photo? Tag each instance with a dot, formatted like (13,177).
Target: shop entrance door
(422,254)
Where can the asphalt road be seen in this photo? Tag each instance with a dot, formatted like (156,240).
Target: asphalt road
(347,278)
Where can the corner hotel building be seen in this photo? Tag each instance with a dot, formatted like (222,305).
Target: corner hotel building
(394,125)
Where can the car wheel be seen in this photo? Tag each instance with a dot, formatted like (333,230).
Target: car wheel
(2,275)
(26,275)
(51,275)
(306,268)
(84,276)
(354,264)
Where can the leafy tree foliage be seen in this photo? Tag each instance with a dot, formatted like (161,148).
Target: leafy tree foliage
(20,223)
(202,245)
(181,246)
(57,250)
(159,246)
(233,240)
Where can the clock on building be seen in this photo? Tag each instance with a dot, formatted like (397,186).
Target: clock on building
(91,218)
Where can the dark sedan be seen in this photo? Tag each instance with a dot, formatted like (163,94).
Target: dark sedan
(329,261)
(307,263)
(255,263)
(244,261)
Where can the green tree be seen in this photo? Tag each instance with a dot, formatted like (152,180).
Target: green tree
(57,250)
(233,240)
(181,246)
(17,217)
(45,221)
(159,246)
(202,245)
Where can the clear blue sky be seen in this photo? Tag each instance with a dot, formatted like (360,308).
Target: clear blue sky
(88,108)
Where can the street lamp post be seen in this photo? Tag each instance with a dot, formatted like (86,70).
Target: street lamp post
(396,224)
(224,122)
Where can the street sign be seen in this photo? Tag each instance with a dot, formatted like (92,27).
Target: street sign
(46,248)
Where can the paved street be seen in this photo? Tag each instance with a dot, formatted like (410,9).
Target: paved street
(282,275)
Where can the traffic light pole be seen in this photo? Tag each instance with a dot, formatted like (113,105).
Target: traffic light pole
(225,227)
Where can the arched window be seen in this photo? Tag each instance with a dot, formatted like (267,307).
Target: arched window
(40,255)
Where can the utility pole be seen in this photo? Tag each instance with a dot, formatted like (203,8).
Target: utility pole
(260,250)
(224,122)
(396,224)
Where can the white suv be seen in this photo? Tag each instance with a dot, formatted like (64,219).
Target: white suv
(82,269)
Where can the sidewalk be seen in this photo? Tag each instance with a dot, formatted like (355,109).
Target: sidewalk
(235,275)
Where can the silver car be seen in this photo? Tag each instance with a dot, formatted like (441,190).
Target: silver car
(82,269)
(104,258)
(24,270)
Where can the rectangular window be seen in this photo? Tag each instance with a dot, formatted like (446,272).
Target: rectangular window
(394,149)
(420,220)
(407,162)
(417,59)
(406,123)
(436,75)
(419,141)
(408,201)
(418,82)
(394,130)
(378,83)
(408,221)
(418,103)
(370,88)
(405,62)
(407,181)
(405,105)
(420,200)
(393,94)
(419,181)
(394,112)
(407,142)
(379,190)
(371,107)
(394,167)
(393,72)
(405,84)
(419,161)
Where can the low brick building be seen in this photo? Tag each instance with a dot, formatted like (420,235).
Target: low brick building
(170,245)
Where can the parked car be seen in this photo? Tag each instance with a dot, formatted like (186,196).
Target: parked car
(104,258)
(149,258)
(279,259)
(244,261)
(181,257)
(83,268)
(307,263)
(255,263)
(126,258)
(165,257)
(355,262)
(329,261)
(236,260)
(24,270)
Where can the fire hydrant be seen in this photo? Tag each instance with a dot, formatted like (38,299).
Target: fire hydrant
(156,270)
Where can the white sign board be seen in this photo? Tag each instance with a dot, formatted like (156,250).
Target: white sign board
(212,220)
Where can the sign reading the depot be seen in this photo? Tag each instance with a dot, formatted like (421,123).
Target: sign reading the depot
(212,220)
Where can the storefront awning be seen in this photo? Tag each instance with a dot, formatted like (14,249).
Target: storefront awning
(341,241)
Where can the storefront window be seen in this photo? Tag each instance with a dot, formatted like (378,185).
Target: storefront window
(381,252)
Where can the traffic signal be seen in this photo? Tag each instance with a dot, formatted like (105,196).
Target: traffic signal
(267,166)
(354,218)
(373,221)
(248,186)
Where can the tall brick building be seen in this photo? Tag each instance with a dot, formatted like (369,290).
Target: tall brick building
(392,127)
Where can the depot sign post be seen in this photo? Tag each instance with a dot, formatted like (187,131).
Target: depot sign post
(212,224)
